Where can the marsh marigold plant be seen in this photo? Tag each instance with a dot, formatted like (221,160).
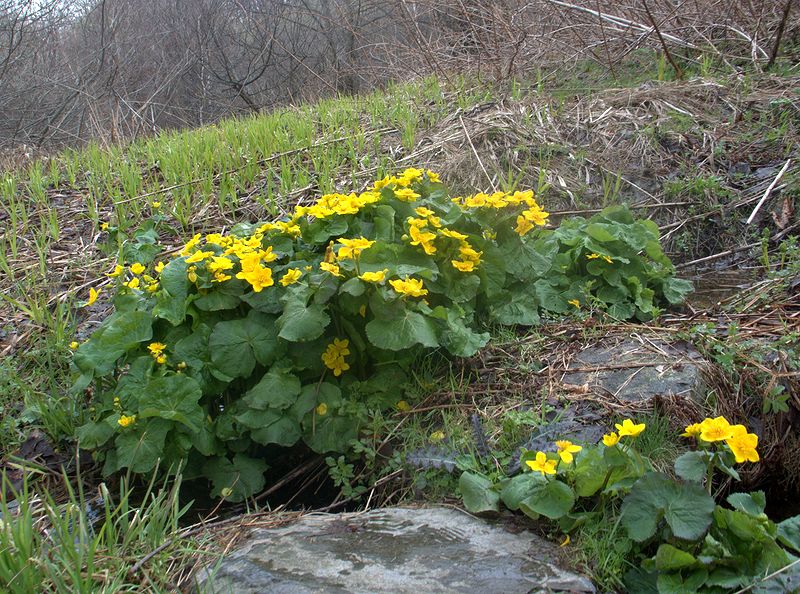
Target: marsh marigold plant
(296,329)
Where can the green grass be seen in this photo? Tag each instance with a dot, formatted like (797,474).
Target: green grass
(90,543)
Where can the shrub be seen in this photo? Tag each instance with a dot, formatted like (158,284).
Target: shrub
(294,330)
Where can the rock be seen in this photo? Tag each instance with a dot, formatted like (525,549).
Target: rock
(637,372)
(392,550)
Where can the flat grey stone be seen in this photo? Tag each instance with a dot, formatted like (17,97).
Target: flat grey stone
(636,372)
(393,550)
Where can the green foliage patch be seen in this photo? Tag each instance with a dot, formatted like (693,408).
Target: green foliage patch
(298,330)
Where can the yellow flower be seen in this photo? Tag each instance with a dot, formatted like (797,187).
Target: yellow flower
(406,194)
(159,267)
(352,248)
(93,294)
(433,177)
(132,284)
(468,253)
(330,268)
(156,348)
(463,266)
(476,201)
(199,256)
(692,430)
(403,406)
(218,264)
(542,464)
(536,215)
(453,234)
(190,245)
(334,355)
(611,439)
(118,270)
(566,449)
(322,409)
(575,302)
(156,204)
(375,277)
(607,259)
(104,227)
(74,345)
(137,268)
(437,436)
(126,421)
(258,277)
(292,276)
(743,444)
(424,212)
(523,226)
(423,238)
(161,359)
(409,286)
(717,429)
(629,429)
(191,274)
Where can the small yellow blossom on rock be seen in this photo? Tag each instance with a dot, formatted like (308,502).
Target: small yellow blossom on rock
(566,449)
(542,464)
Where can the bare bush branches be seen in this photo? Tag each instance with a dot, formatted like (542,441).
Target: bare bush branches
(74,70)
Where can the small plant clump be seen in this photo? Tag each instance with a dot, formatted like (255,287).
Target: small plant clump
(297,330)
(676,535)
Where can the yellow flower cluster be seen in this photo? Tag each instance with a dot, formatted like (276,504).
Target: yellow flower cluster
(595,256)
(334,355)
(530,217)
(741,443)
(341,204)
(157,351)
(404,180)
(146,282)
(545,465)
